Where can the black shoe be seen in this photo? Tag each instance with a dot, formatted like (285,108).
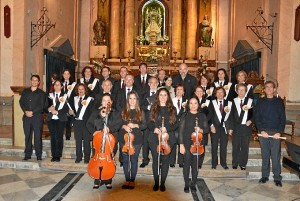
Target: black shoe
(57,159)
(243,168)
(226,167)
(77,161)
(53,159)
(126,185)
(200,166)
(39,158)
(234,167)
(143,165)
(172,165)
(263,180)
(67,138)
(26,158)
(108,187)
(193,188)
(213,167)
(86,162)
(121,164)
(162,188)
(155,187)
(96,186)
(278,183)
(186,189)
(181,165)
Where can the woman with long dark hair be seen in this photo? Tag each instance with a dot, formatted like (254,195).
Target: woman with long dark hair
(133,122)
(162,122)
(222,80)
(90,81)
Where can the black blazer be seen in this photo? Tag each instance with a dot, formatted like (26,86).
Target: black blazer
(96,89)
(87,112)
(249,94)
(121,98)
(62,113)
(189,84)
(230,95)
(213,117)
(138,84)
(239,128)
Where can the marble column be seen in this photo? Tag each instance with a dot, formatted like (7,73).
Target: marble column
(191,29)
(129,27)
(176,27)
(115,29)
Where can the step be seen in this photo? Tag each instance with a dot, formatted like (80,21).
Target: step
(67,143)
(17,151)
(70,166)
(5,141)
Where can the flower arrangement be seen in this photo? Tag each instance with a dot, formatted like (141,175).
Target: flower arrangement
(226,87)
(90,86)
(84,102)
(153,58)
(61,99)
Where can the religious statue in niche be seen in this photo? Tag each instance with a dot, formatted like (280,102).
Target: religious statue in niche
(99,29)
(205,33)
(153,23)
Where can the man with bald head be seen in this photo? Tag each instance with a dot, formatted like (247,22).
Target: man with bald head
(188,81)
(106,87)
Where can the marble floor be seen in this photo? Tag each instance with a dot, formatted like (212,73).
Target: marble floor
(19,185)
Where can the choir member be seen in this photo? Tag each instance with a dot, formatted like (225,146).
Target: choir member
(142,79)
(242,113)
(220,125)
(241,77)
(56,119)
(222,80)
(106,75)
(168,85)
(119,84)
(82,105)
(207,88)
(68,88)
(161,77)
(89,81)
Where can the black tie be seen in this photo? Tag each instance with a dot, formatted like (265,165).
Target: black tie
(123,84)
(79,102)
(56,98)
(178,103)
(241,104)
(143,82)
(152,93)
(221,84)
(66,86)
(128,91)
(221,107)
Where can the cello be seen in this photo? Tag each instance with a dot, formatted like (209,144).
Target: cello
(102,165)
(196,147)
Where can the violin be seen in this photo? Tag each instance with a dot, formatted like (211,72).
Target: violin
(196,147)
(128,138)
(163,147)
(102,165)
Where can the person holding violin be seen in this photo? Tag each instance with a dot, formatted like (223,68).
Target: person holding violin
(131,137)
(203,108)
(96,122)
(192,123)
(162,124)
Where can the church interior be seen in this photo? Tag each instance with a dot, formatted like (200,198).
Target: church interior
(261,37)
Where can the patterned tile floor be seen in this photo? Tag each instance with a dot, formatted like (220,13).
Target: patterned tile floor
(19,185)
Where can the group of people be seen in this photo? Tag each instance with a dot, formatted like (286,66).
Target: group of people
(162,113)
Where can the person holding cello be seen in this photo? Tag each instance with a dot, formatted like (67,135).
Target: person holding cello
(108,121)
(131,137)
(193,126)
(162,124)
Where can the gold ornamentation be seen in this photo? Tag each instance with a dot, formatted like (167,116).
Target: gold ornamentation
(84,102)
(61,99)
(226,87)
(246,107)
(69,87)
(208,92)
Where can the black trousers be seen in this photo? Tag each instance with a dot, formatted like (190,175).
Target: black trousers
(271,149)
(221,136)
(33,124)
(82,134)
(201,158)
(240,146)
(174,151)
(164,160)
(190,161)
(56,129)
(68,127)
(146,146)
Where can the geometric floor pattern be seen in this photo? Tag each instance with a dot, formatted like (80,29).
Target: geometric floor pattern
(19,185)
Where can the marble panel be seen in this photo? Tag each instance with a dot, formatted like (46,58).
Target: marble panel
(38,182)
(21,195)
(13,187)
(9,178)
